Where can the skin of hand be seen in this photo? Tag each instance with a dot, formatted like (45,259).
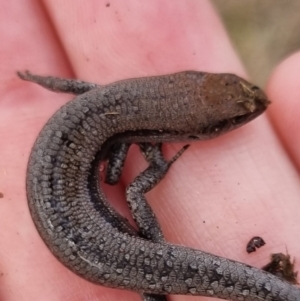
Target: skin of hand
(223,191)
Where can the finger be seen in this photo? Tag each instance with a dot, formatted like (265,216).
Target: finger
(133,39)
(26,41)
(284,113)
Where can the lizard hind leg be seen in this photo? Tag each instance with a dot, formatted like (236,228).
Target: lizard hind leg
(116,159)
(142,213)
(135,193)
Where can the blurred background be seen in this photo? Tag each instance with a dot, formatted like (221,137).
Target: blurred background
(263,32)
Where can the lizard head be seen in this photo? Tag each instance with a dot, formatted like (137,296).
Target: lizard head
(225,102)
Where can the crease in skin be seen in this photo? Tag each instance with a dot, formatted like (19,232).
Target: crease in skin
(71,212)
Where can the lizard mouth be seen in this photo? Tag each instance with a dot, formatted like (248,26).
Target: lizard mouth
(223,126)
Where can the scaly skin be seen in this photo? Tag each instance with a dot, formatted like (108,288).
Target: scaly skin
(73,216)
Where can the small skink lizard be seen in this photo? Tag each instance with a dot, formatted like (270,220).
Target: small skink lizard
(72,214)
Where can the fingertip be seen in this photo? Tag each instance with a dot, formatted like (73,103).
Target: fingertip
(284,81)
(283,89)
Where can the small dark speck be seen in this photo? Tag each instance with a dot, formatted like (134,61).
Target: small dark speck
(254,243)
(203,222)
(107,4)
(1,195)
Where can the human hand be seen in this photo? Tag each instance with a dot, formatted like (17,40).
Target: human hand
(223,191)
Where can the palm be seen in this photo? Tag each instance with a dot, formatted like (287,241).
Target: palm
(241,185)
